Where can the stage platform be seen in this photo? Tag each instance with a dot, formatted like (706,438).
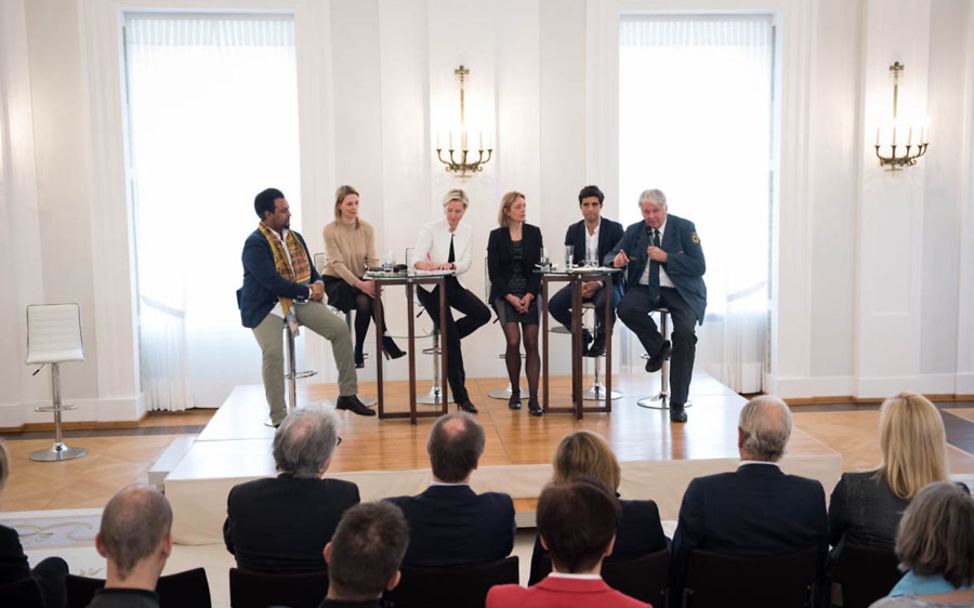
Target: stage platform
(388,457)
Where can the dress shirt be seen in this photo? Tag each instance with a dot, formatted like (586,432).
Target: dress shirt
(592,242)
(664,279)
(433,244)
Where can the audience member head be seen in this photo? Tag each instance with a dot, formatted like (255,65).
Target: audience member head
(913,442)
(577,523)
(764,429)
(364,554)
(584,453)
(135,537)
(455,445)
(589,191)
(305,442)
(264,202)
(936,534)
(340,195)
(507,201)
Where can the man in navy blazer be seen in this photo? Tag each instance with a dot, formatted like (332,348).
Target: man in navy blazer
(449,523)
(757,510)
(261,303)
(665,269)
(591,238)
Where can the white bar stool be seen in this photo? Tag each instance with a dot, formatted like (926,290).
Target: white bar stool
(54,337)
(661,401)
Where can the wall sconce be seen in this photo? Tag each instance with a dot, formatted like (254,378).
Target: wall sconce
(461,165)
(911,152)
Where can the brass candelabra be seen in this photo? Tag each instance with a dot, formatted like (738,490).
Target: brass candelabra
(461,165)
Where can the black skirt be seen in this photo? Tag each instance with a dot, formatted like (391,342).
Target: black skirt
(340,294)
(508,314)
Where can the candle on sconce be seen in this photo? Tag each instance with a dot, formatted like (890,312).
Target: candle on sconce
(451,139)
(909,137)
(894,136)
(480,139)
(438,147)
(463,141)
(877,136)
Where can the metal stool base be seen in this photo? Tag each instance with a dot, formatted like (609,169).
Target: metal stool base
(597,393)
(505,393)
(57,453)
(659,402)
(433,397)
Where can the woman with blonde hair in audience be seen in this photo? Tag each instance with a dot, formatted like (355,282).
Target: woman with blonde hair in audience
(49,573)
(587,454)
(865,508)
(935,546)
(350,245)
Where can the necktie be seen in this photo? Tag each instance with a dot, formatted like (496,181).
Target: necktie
(453,256)
(653,264)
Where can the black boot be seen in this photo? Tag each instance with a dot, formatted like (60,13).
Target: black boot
(390,349)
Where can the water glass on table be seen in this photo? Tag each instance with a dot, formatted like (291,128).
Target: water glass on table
(569,257)
(389,261)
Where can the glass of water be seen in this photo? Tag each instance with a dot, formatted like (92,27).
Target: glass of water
(389,261)
(591,258)
(544,257)
(569,256)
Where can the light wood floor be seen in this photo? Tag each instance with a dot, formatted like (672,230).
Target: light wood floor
(120,458)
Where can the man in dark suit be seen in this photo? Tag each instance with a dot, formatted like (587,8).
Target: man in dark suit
(281,286)
(135,539)
(591,238)
(756,510)
(449,523)
(281,524)
(665,269)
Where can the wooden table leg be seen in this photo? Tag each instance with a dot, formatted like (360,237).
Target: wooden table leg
(411,342)
(544,345)
(444,381)
(380,397)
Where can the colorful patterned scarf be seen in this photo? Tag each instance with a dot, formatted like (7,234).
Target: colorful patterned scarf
(299,270)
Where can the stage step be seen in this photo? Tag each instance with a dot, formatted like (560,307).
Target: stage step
(169,459)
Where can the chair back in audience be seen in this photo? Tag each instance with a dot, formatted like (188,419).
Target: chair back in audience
(862,575)
(25,593)
(259,589)
(188,589)
(778,581)
(644,578)
(463,586)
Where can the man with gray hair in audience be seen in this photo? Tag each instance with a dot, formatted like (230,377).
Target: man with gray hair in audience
(280,524)
(757,510)
(364,555)
(136,540)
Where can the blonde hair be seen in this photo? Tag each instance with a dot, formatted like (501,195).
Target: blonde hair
(456,195)
(586,453)
(507,201)
(913,442)
(340,195)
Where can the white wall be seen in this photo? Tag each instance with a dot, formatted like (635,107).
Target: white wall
(859,309)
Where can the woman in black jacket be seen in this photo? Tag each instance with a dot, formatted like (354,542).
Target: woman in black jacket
(513,251)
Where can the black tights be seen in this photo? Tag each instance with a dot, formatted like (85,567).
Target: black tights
(364,313)
(512,356)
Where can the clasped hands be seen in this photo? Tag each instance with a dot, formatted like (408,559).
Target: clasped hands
(520,304)
(317,292)
(434,266)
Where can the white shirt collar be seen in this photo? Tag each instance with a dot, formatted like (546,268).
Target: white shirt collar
(744,462)
(443,483)
(585,576)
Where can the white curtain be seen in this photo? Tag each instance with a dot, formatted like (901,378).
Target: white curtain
(212,103)
(696,113)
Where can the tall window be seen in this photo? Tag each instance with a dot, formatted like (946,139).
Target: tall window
(696,116)
(212,107)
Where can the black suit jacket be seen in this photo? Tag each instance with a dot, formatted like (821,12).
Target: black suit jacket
(756,510)
(610,233)
(281,524)
(500,259)
(639,533)
(685,265)
(13,561)
(452,524)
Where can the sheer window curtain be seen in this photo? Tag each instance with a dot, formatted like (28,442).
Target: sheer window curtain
(212,109)
(695,121)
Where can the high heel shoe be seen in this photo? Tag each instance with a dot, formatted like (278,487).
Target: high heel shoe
(533,408)
(390,350)
(359,358)
(515,401)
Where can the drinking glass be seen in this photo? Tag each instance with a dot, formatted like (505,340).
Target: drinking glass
(591,258)
(544,257)
(569,256)
(389,261)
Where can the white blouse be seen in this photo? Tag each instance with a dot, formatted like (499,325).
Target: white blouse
(433,244)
